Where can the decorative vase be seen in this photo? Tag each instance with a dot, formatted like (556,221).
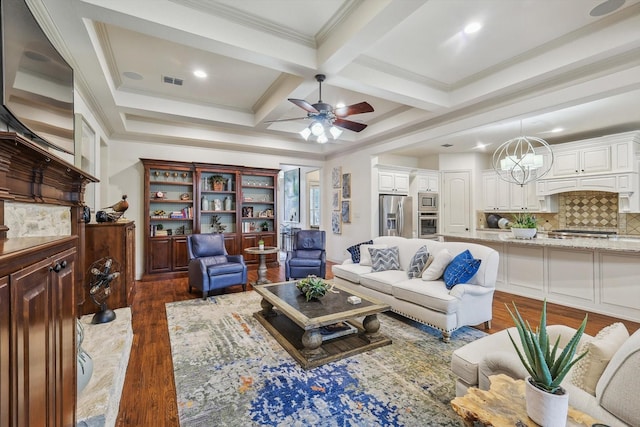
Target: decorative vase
(205,204)
(524,233)
(227,204)
(546,409)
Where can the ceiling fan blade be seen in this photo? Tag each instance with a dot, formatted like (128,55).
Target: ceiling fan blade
(348,124)
(304,105)
(362,107)
(286,120)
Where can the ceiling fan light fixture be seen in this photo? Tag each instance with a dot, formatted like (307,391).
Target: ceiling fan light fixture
(317,128)
(322,139)
(305,133)
(335,132)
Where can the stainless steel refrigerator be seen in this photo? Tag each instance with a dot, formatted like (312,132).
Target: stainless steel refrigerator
(396,215)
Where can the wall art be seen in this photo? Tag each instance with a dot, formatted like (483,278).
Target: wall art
(336,225)
(336,175)
(346,185)
(335,200)
(346,212)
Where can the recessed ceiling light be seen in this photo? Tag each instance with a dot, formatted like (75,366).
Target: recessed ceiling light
(606,7)
(556,130)
(447,145)
(200,74)
(472,28)
(132,75)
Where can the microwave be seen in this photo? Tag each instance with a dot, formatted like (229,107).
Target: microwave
(428,202)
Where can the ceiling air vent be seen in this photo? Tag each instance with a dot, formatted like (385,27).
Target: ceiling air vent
(172,80)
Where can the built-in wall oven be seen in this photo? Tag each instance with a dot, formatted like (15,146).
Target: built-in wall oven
(427,225)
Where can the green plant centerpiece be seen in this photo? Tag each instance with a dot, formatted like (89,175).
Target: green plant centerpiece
(524,226)
(547,367)
(312,287)
(524,220)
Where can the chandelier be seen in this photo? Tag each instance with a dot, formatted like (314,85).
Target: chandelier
(522,160)
(319,130)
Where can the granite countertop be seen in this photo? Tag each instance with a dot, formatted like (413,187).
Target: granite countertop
(618,243)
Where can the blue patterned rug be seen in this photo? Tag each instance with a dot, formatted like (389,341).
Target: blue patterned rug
(229,371)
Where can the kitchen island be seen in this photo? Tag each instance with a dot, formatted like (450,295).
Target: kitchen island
(600,275)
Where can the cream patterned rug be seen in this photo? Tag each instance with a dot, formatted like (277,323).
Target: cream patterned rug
(229,371)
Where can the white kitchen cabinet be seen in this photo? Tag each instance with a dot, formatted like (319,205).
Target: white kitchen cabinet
(582,161)
(500,195)
(393,182)
(523,197)
(428,182)
(495,192)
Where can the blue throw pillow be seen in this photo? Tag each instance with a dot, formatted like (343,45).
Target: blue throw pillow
(355,251)
(461,269)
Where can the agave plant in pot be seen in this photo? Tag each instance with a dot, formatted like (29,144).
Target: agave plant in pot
(524,226)
(547,402)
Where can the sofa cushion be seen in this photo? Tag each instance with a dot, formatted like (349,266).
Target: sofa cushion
(461,269)
(385,259)
(618,388)
(440,261)
(350,272)
(433,295)
(355,251)
(365,254)
(383,281)
(600,350)
(418,262)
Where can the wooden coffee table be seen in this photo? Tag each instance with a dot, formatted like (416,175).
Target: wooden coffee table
(298,325)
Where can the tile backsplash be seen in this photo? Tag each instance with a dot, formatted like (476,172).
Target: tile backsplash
(585,210)
(36,220)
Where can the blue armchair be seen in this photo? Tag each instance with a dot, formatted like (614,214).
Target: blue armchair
(210,267)
(308,256)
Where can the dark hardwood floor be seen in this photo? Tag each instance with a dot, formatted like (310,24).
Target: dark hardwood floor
(148,397)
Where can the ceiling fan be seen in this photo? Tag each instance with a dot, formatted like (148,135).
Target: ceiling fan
(325,117)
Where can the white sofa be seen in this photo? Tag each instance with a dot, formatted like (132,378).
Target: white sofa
(614,398)
(428,302)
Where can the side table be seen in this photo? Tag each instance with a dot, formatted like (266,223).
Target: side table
(262,266)
(503,405)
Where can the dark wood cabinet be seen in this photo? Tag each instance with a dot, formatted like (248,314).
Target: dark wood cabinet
(179,254)
(238,201)
(5,332)
(115,240)
(42,343)
(40,280)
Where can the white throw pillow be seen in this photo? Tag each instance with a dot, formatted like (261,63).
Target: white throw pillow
(365,256)
(440,261)
(587,372)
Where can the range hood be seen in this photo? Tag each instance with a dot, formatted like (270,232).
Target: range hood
(609,163)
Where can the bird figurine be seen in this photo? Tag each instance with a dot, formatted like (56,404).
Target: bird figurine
(118,208)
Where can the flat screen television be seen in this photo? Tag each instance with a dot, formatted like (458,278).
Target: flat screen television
(37,83)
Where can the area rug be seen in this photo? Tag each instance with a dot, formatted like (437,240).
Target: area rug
(229,371)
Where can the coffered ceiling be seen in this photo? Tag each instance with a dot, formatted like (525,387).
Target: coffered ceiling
(535,64)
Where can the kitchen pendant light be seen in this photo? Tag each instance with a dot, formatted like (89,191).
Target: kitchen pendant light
(523,159)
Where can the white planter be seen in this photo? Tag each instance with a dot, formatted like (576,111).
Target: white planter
(524,233)
(546,409)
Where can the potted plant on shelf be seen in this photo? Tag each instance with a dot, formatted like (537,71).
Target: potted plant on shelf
(547,402)
(312,287)
(218,182)
(264,225)
(524,226)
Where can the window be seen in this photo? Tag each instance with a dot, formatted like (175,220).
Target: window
(314,205)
